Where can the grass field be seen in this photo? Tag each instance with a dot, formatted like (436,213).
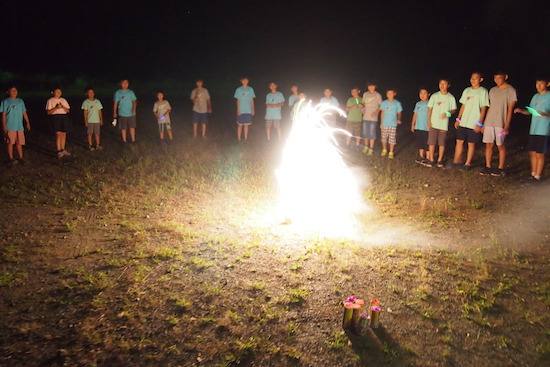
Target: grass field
(168,256)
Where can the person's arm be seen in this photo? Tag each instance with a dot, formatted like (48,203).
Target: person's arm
(430,117)
(134,106)
(399,117)
(100,117)
(413,122)
(252,105)
(26,118)
(509,113)
(209,104)
(381,118)
(85,117)
(349,107)
(115,109)
(482,115)
(457,121)
(4,126)
(50,111)
(238,107)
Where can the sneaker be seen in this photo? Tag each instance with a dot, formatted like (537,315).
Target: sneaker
(365,150)
(465,168)
(384,152)
(91,148)
(371,151)
(419,160)
(60,154)
(498,172)
(390,155)
(440,164)
(485,171)
(65,153)
(429,164)
(99,147)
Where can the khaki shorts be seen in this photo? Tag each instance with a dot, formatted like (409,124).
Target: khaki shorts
(493,134)
(126,122)
(275,123)
(93,128)
(16,137)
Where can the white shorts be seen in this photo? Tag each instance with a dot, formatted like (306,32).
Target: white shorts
(493,134)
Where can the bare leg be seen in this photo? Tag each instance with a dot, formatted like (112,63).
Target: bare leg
(203,130)
(20,151)
(392,147)
(245,132)
(268,133)
(422,153)
(540,163)
(441,152)
(133,134)
(431,153)
(501,156)
(239,131)
(384,145)
(90,140)
(488,154)
(63,140)
(161,135)
(470,153)
(169,134)
(97,140)
(279,132)
(371,143)
(533,159)
(357,141)
(459,149)
(195,129)
(58,139)
(123,134)
(10,150)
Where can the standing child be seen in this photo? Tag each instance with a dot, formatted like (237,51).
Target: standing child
(124,108)
(245,107)
(441,106)
(502,99)
(419,125)
(13,112)
(273,102)
(390,115)
(332,101)
(372,101)
(161,110)
(540,127)
(299,104)
(292,99)
(93,118)
(474,100)
(58,108)
(353,121)
(201,108)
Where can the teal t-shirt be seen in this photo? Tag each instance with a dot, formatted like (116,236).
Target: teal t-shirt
(245,96)
(273,113)
(391,109)
(540,125)
(441,103)
(125,100)
(473,100)
(355,114)
(292,99)
(14,109)
(93,108)
(421,110)
(332,101)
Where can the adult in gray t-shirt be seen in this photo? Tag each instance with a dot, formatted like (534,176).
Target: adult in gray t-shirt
(499,100)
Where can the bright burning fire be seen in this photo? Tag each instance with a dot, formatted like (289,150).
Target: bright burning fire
(318,190)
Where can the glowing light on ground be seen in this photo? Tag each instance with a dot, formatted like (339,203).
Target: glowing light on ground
(318,191)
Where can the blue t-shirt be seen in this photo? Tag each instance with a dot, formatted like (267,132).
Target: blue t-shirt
(14,109)
(292,99)
(273,113)
(125,99)
(421,110)
(540,125)
(245,96)
(332,101)
(390,112)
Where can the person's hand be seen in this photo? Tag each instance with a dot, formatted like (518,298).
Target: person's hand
(517,110)
(101,123)
(482,129)
(477,128)
(504,132)
(412,128)
(443,116)
(457,124)
(238,113)
(86,123)
(114,115)
(253,113)
(398,122)
(209,110)
(374,114)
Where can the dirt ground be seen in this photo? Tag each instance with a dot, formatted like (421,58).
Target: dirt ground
(169,255)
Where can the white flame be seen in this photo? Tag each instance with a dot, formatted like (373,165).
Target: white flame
(318,190)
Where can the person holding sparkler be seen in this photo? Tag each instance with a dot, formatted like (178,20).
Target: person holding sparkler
(355,118)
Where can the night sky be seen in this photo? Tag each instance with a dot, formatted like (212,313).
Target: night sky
(402,44)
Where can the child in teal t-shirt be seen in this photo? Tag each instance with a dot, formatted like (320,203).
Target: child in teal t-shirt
(273,102)
(419,124)
(441,106)
(93,118)
(13,113)
(390,116)
(539,131)
(244,96)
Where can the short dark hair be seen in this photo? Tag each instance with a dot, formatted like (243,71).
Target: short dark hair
(372,82)
(88,88)
(543,78)
(500,72)
(55,87)
(391,89)
(478,73)
(444,78)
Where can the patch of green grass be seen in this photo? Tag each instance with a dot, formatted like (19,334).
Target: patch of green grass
(337,341)
(201,264)
(166,253)
(297,295)
(7,279)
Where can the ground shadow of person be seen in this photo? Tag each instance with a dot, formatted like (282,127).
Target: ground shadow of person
(376,347)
